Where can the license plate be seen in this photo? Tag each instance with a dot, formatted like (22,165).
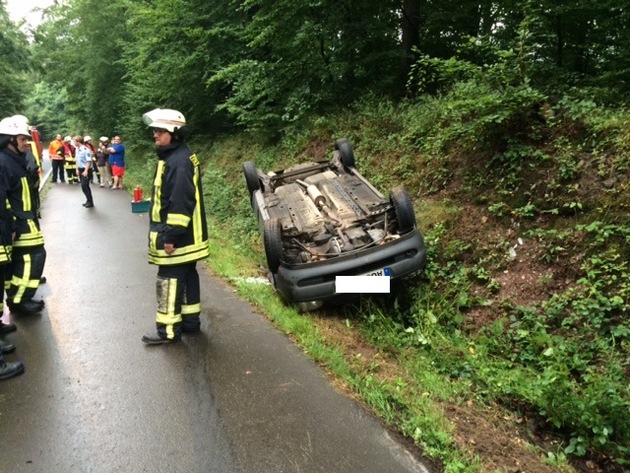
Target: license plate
(379,272)
(376,281)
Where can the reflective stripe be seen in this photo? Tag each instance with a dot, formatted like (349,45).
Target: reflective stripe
(178,220)
(26,195)
(23,282)
(167,319)
(34,238)
(197,221)
(187,254)
(188,309)
(157,186)
(5,254)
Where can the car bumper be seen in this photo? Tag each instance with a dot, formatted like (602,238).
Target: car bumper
(316,281)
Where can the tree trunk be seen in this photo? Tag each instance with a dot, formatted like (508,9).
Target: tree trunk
(410,31)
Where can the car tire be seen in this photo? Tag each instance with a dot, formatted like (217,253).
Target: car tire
(251,178)
(272,239)
(403,207)
(345,151)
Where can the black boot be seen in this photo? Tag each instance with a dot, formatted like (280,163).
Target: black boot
(157,340)
(26,307)
(6,347)
(6,328)
(9,370)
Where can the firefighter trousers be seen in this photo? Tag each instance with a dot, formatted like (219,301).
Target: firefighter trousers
(71,170)
(178,300)
(3,275)
(24,272)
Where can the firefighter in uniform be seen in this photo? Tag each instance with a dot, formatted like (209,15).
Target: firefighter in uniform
(24,271)
(70,161)
(7,369)
(178,233)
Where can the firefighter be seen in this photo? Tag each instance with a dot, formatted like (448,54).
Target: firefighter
(28,253)
(178,234)
(7,369)
(70,161)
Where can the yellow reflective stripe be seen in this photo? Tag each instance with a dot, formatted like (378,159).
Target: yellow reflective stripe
(172,296)
(197,220)
(157,186)
(34,238)
(187,254)
(180,220)
(5,254)
(23,282)
(170,332)
(26,195)
(188,309)
(167,319)
(153,239)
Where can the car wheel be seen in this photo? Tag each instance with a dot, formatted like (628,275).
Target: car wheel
(251,177)
(346,153)
(272,239)
(404,210)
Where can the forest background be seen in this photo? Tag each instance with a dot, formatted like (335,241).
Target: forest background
(507,122)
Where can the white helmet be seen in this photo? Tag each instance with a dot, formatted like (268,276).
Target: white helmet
(103,139)
(170,120)
(67,138)
(87,138)
(14,126)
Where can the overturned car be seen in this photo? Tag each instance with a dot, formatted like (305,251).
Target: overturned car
(322,220)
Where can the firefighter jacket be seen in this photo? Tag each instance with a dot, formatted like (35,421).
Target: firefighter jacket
(177,214)
(20,200)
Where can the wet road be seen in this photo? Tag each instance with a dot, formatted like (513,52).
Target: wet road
(239,397)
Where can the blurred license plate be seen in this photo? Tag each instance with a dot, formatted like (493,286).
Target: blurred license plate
(372,282)
(379,272)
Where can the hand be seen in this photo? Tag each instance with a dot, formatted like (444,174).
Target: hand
(169,248)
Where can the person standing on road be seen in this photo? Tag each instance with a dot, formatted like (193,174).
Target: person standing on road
(84,165)
(70,160)
(28,253)
(87,140)
(178,233)
(7,369)
(102,161)
(56,156)
(117,161)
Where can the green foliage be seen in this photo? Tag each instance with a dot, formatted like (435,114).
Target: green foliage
(45,108)
(14,66)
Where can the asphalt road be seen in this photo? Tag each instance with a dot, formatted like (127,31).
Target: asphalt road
(238,397)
